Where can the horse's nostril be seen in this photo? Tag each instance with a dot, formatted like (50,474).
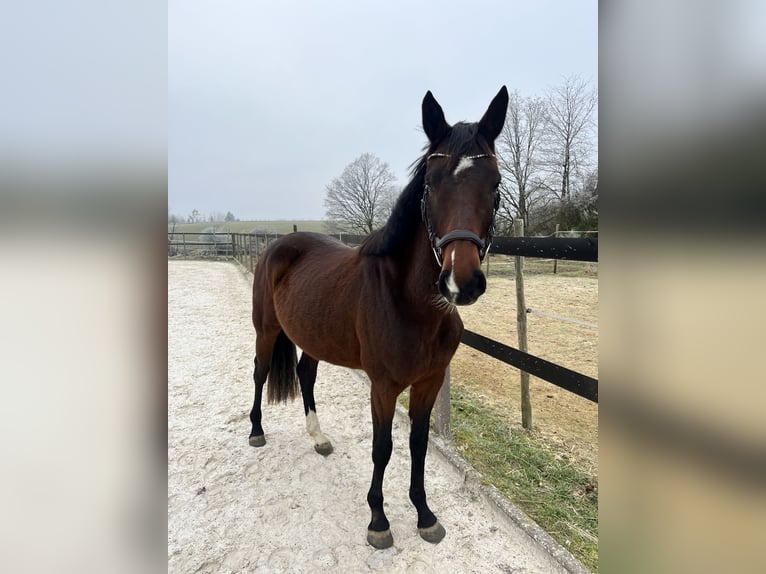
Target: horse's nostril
(474,289)
(481,283)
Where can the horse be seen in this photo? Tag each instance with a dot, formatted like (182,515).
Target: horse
(388,306)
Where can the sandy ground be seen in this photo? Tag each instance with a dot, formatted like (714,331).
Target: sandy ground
(284,508)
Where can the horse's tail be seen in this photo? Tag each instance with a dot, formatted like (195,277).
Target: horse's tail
(283,380)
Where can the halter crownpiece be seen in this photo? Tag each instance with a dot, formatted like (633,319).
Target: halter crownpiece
(438,242)
(477,156)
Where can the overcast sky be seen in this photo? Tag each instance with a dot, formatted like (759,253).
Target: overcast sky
(269,101)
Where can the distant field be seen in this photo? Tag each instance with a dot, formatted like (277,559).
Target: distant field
(278,226)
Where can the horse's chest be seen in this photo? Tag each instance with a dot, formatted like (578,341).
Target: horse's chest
(410,348)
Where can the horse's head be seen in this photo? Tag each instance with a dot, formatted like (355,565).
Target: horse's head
(460,196)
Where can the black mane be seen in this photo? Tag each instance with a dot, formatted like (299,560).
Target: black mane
(402,224)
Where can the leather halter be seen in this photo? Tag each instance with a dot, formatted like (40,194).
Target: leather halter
(437,243)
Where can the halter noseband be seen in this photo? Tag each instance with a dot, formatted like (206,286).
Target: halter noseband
(438,242)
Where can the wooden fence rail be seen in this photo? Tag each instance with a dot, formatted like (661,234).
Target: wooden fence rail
(572,381)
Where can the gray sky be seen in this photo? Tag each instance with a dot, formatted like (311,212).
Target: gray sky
(269,101)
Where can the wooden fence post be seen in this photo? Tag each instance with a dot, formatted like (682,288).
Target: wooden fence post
(556,261)
(521,325)
(442,409)
(250,249)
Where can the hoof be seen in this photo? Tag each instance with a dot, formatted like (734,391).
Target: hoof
(259,440)
(433,533)
(380,540)
(324,449)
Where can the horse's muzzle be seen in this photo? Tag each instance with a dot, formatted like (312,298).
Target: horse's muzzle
(465,294)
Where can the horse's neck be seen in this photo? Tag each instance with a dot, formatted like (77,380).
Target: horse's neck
(422,272)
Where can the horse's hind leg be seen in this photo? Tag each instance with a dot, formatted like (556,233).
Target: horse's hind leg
(307,374)
(263,348)
(257,437)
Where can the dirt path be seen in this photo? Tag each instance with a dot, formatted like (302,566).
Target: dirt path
(284,508)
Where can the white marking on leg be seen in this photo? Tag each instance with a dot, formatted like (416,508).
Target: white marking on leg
(464,163)
(312,426)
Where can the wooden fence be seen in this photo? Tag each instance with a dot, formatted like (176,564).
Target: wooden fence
(219,244)
(559,248)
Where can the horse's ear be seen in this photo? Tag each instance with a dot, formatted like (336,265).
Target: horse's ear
(434,124)
(491,124)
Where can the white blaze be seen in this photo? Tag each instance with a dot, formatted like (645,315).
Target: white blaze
(464,163)
(451,284)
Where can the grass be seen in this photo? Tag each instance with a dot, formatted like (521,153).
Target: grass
(561,499)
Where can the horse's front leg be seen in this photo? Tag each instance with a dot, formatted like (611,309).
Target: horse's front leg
(422,398)
(383,402)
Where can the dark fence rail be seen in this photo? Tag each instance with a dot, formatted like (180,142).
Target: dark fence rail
(567,379)
(566,248)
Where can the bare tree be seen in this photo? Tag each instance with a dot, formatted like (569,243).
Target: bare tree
(570,109)
(361,198)
(585,200)
(519,157)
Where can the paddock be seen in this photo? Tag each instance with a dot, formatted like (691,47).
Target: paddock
(233,508)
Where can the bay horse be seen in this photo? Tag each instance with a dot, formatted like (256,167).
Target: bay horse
(388,306)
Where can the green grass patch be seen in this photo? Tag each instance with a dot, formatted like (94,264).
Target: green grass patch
(561,499)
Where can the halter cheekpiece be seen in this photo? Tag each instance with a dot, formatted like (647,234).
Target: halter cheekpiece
(437,243)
